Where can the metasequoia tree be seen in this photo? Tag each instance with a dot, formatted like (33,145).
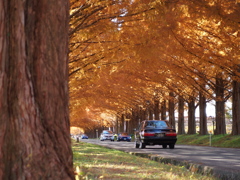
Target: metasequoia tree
(212,39)
(34,117)
(202,115)
(174,46)
(181,123)
(236,104)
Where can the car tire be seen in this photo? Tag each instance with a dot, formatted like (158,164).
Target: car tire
(137,145)
(171,146)
(142,145)
(164,146)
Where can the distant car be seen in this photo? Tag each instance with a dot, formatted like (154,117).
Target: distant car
(123,137)
(84,136)
(155,132)
(107,135)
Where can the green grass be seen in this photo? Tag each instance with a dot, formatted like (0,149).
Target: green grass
(96,162)
(226,141)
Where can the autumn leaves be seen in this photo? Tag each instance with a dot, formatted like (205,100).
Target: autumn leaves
(123,53)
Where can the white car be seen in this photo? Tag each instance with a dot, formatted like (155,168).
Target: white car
(106,135)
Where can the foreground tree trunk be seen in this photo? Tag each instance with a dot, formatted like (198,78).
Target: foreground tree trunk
(34,116)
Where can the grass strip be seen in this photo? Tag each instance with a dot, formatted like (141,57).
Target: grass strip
(97,162)
(223,140)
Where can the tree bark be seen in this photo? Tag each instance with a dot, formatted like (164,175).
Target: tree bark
(181,125)
(220,106)
(236,106)
(150,111)
(191,117)
(163,110)
(122,123)
(156,109)
(171,110)
(117,124)
(134,120)
(34,118)
(141,114)
(127,122)
(203,114)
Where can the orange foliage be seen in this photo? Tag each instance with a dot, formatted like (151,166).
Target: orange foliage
(125,52)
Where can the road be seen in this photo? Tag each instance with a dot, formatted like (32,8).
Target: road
(220,160)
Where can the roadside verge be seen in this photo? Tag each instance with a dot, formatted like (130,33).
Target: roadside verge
(221,174)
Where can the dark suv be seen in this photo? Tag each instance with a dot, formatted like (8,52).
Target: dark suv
(155,132)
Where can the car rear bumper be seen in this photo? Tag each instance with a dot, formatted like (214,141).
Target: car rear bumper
(107,138)
(124,139)
(161,141)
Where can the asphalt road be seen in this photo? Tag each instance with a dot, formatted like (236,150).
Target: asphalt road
(221,160)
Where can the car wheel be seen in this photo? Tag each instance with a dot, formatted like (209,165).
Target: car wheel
(164,146)
(137,145)
(142,145)
(171,146)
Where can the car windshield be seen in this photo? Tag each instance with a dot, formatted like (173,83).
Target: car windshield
(107,132)
(124,134)
(156,124)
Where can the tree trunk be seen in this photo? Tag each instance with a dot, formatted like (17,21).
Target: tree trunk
(156,110)
(236,106)
(122,123)
(34,118)
(127,122)
(181,126)
(134,121)
(150,111)
(171,110)
(203,114)
(220,106)
(117,124)
(191,117)
(163,110)
(141,115)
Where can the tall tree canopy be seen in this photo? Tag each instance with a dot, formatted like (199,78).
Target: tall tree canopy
(123,53)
